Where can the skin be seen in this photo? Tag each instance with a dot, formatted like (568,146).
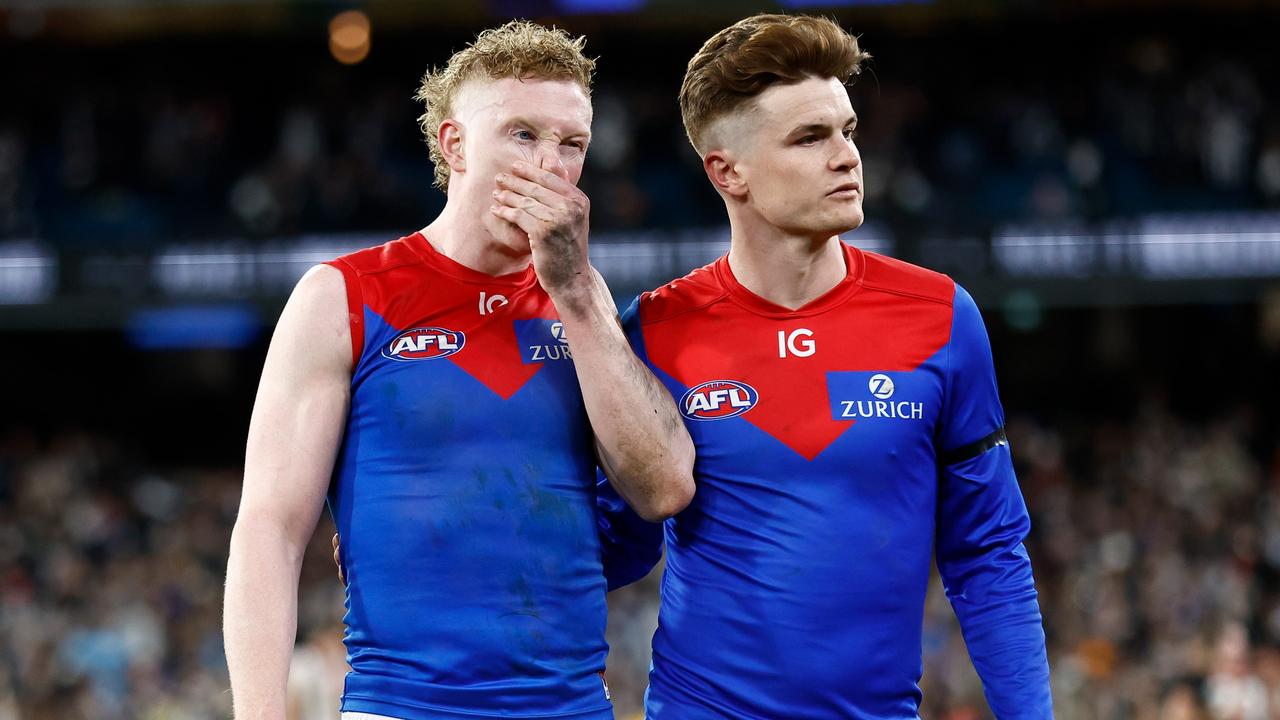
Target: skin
(294,433)
(515,151)
(790,175)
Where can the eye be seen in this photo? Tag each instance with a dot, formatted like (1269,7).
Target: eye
(850,134)
(807,140)
(524,135)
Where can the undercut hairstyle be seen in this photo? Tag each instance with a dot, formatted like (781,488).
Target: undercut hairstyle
(520,49)
(746,58)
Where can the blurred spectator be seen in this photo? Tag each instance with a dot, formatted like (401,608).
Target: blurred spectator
(1159,532)
(1151,121)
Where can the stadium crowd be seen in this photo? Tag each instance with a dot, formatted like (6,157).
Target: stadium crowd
(1156,544)
(956,138)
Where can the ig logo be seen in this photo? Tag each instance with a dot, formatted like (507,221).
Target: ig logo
(881,386)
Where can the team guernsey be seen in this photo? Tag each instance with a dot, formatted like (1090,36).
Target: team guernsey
(464,493)
(839,446)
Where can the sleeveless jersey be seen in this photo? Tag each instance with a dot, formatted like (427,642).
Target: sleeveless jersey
(464,494)
(838,446)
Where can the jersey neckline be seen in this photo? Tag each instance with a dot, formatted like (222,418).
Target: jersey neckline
(852,282)
(447,265)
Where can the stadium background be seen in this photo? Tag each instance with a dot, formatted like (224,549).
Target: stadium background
(1104,176)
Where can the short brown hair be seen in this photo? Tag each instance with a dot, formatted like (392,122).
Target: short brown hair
(520,49)
(743,60)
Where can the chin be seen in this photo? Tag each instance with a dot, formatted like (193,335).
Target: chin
(848,220)
(838,226)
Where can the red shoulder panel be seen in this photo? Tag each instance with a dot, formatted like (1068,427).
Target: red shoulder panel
(695,290)
(382,257)
(893,275)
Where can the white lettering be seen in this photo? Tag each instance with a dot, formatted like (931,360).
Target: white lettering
(488,303)
(698,402)
(904,410)
(799,348)
(541,353)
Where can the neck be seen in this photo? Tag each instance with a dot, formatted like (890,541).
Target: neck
(461,234)
(785,269)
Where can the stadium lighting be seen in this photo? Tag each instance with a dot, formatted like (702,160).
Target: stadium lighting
(349,37)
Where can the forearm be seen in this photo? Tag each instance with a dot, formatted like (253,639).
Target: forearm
(987,574)
(1004,633)
(643,443)
(260,617)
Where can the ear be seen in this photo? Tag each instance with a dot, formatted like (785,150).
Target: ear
(722,170)
(449,135)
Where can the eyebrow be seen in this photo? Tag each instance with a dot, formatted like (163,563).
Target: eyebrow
(821,128)
(528,122)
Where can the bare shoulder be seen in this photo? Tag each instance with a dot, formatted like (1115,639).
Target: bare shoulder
(321,286)
(316,315)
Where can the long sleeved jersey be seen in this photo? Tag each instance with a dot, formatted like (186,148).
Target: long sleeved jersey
(839,446)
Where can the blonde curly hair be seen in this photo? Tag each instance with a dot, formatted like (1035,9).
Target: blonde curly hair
(520,49)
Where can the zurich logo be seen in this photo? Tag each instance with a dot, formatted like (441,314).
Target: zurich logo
(425,343)
(881,386)
(718,399)
(557,331)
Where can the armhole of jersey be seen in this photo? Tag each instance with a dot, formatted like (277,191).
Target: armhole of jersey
(355,308)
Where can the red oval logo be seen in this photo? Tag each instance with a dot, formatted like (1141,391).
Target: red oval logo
(426,343)
(718,399)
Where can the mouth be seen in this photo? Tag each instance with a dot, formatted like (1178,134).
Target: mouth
(847,191)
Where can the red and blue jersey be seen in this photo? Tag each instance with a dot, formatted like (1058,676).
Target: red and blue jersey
(839,447)
(465,493)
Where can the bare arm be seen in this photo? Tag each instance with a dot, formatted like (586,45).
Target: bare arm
(641,441)
(293,438)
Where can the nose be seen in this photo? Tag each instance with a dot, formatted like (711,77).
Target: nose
(547,156)
(846,156)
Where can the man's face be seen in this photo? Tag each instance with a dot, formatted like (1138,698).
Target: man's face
(796,154)
(546,123)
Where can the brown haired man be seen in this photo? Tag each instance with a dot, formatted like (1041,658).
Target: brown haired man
(444,390)
(844,410)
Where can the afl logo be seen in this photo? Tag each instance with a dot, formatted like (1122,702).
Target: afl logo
(426,343)
(718,399)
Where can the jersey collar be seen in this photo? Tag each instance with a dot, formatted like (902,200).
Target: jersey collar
(447,265)
(852,283)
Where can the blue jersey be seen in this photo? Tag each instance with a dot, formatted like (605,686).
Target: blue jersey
(464,494)
(839,446)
